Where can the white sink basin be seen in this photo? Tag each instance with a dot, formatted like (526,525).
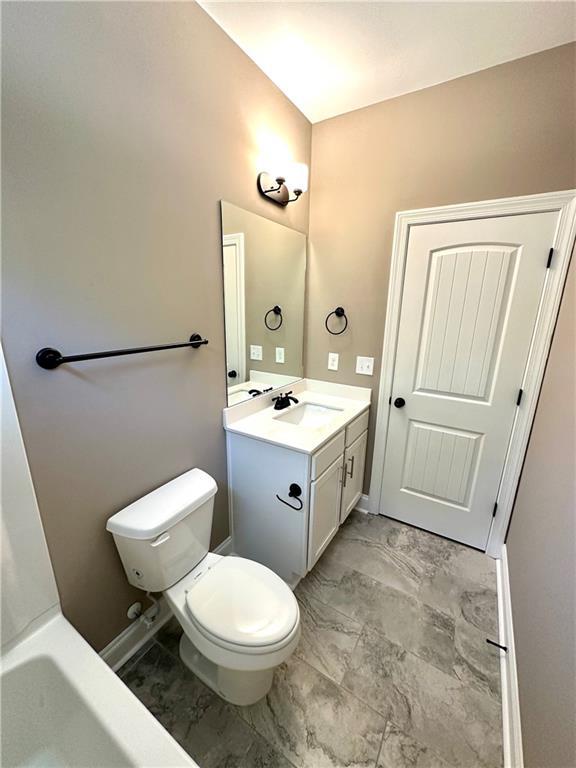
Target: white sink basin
(309,415)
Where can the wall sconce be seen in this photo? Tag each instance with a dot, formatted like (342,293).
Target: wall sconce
(276,188)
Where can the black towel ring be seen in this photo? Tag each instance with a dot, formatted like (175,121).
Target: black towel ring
(276,310)
(294,493)
(339,312)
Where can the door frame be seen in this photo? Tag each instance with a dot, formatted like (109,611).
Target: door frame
(563,202)
(237,239)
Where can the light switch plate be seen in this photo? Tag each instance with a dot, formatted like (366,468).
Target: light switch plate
(279,354)
(255,352)
(365,365)
(333,358)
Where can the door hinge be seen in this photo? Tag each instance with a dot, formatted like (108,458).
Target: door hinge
(550,254)
(495,508)
(519,398)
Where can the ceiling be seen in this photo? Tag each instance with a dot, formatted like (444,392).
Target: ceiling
(332,57)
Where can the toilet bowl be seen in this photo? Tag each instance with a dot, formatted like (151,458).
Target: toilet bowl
(240,619)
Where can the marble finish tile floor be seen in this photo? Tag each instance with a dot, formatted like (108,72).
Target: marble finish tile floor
(392,670)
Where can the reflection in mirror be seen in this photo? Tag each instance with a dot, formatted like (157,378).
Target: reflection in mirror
(264,283)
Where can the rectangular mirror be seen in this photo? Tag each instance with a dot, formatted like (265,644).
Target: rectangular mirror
(264,284)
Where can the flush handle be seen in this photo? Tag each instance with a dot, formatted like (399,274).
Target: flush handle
(164,537)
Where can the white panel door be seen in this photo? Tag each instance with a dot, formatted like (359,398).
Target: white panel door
(325,496)
(469,305)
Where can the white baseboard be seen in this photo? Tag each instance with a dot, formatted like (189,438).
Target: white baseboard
(224,548)
(363,504)
(511,725)
(128,642)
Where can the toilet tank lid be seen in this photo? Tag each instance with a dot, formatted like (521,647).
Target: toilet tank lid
(163,508)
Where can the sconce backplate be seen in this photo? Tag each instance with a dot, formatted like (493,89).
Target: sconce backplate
(268,188)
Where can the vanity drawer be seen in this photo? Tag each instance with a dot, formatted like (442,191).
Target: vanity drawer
(322,459)
(356,427)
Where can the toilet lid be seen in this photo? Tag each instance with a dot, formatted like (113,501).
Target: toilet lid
(243,602)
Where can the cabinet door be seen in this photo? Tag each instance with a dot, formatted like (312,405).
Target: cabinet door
(354,460)
(325,496)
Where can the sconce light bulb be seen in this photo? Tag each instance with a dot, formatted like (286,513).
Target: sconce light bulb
(298,177)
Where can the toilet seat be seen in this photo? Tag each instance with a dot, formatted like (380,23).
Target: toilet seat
(242,606)
(250,658)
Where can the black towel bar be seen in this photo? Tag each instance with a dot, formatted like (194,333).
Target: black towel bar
(49,358)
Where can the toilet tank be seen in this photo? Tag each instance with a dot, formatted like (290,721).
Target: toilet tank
(164,535)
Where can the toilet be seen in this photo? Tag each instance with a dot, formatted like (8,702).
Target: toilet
(240,619)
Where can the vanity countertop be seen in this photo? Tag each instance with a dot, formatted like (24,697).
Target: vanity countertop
(258,418)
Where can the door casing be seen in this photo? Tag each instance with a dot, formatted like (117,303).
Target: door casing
(237,240)
(565,204)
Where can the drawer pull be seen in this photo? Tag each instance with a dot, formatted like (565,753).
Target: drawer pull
(351,473)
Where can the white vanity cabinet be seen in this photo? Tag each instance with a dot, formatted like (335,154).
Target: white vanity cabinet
(353,474)
(267,524)
(325,498)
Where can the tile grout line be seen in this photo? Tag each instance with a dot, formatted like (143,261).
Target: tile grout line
(136,658)
(327,605)
(382,741)
(169,652)
(342,688)
(231,707)
(352,652)
(265,740)
(428,663)
(253,728)
(336,610)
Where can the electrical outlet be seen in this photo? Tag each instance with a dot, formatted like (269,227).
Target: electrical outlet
(255,352)
(333,358)
(279,354)
(365,365)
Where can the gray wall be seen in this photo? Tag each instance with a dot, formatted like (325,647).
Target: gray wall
(124,124)
(505,131)
(541,548)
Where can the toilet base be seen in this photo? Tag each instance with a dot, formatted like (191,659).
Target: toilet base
(236,686)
